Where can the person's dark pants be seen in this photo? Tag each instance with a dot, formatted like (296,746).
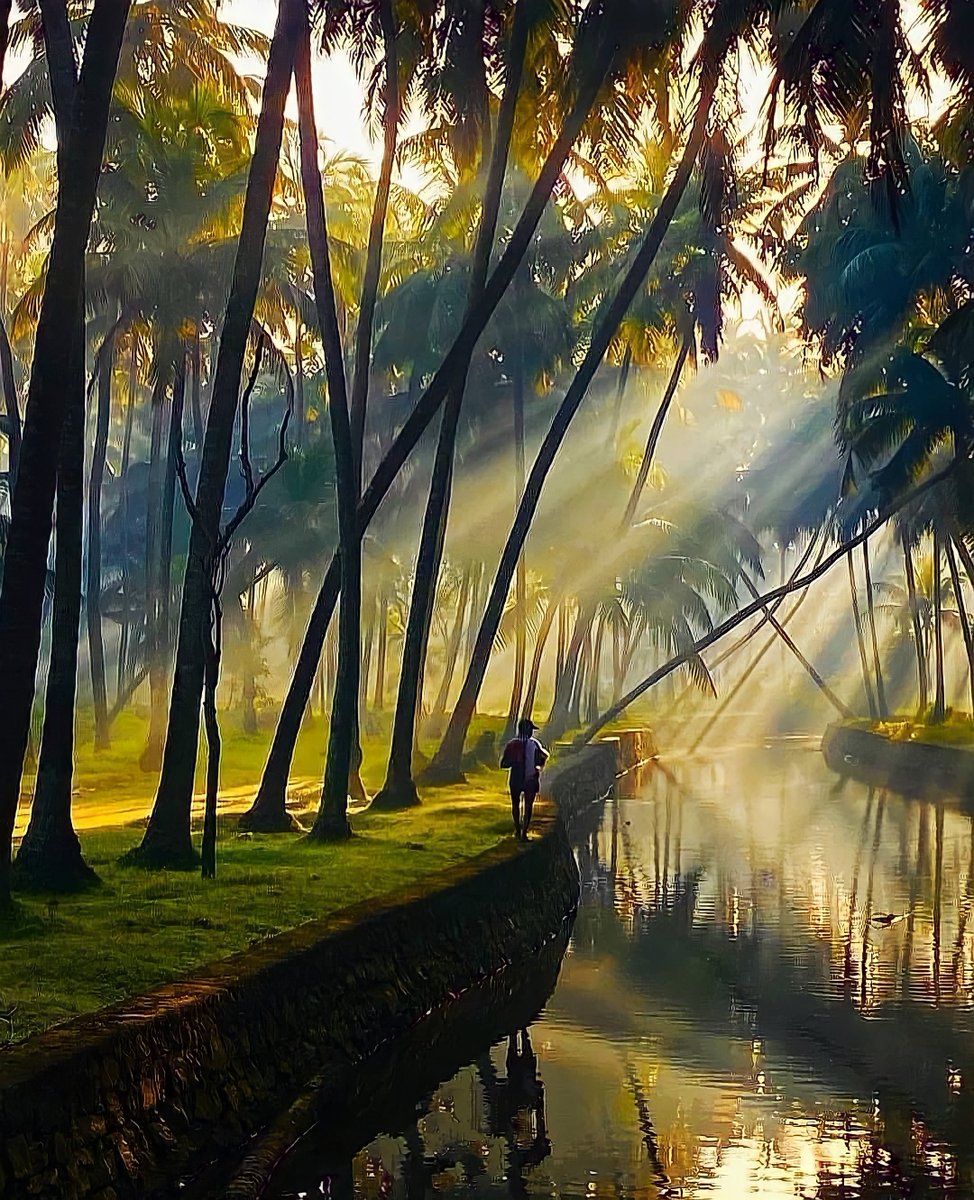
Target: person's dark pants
(528,788)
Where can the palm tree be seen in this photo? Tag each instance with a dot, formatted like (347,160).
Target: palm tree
(446,764)
(167,839)
(25,558)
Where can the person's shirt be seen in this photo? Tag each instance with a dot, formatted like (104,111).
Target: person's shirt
(525,755)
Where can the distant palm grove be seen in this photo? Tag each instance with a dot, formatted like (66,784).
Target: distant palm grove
(285,429)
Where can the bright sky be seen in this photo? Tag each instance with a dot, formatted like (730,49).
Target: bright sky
(338,95)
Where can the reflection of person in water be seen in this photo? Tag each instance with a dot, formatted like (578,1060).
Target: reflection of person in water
(516,1110)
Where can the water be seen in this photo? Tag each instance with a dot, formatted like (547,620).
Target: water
(768,992)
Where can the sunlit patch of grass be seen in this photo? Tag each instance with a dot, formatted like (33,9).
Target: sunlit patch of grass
(956,729)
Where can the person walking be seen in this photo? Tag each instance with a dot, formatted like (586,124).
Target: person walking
(524,756)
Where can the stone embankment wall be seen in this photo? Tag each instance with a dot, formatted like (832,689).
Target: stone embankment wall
(912,767)
(124,1101)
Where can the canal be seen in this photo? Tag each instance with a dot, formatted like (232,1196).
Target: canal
(767,992)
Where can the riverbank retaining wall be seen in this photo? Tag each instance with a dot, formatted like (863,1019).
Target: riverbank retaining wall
(912,767)
(123,1102)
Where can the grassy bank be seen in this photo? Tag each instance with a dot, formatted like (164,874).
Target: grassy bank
(140,929)
(956,730)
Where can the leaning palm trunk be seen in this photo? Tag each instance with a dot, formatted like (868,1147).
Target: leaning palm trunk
(656,429)
(25,557)
(269,803)
(544,632)
(167,840)
(795,584)
(965,624)
(881,705)
(96,643)
(446,765)
(399,790)
(861,641)
(332,821)
(453,646)
(50,855)
(918,638)
(521,580)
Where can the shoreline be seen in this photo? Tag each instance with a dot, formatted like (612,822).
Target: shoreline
(124,1101)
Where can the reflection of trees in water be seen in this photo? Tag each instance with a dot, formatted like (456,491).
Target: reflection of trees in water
(891,936)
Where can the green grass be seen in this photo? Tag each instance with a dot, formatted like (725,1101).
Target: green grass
(140,929)
(957,729)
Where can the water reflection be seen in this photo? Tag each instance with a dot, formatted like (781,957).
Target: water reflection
(768,992)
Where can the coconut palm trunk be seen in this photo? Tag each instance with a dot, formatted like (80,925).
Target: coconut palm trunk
(965,624)
(446,764)
(151,757)
(939,698)
(11,407)
(269,803)
(167,840)
(96,643)
(332,821)
(25,557)
(399,789)
(453,645)
(521,578)
(534,675)
(919,642)
(867,683)
(881,705)
(656,430)
(50,854)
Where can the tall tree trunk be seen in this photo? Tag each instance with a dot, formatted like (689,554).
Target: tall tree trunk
(521,577)
(196,392)
(547,622)
(453,645)
(392,111)
(249,626)
(25,558)
(271,795)
(881,705)
(379,696)
(155,642)
(939,698)
(595,671)
(300,409)
(50,855)
(399,790)
(173,448)
(656,429)
(965,624)
(562,705)
(367,648)
(126,581)
(446,765)
(167,840)
(861,641)
(332,821)
(923,689)
(96,644)
(11,406)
